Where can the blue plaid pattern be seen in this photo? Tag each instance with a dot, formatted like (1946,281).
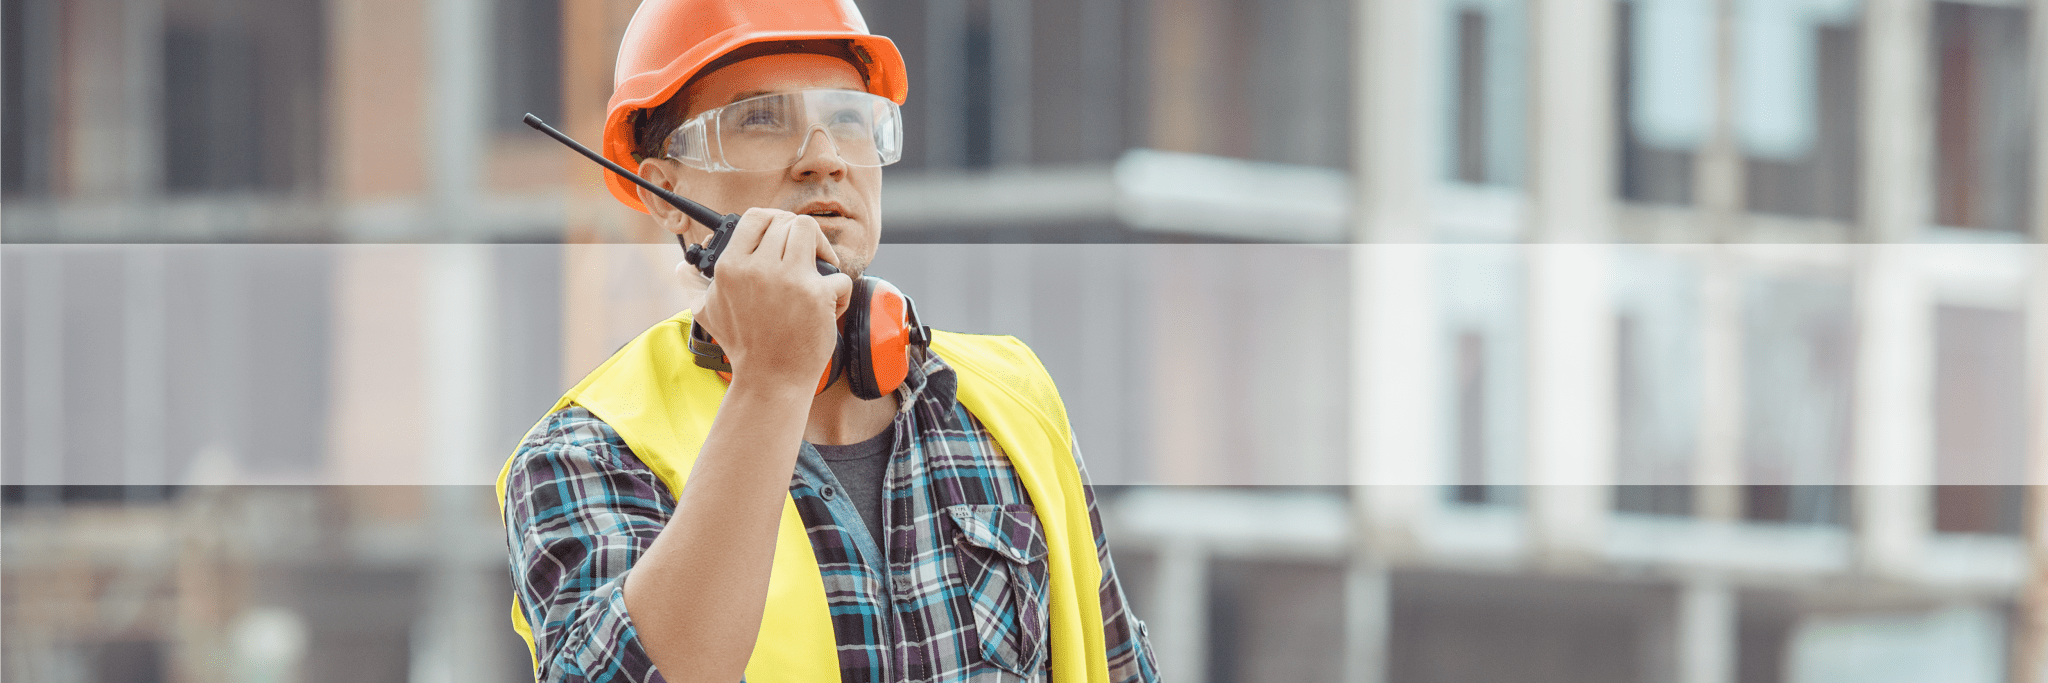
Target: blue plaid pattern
(958,594)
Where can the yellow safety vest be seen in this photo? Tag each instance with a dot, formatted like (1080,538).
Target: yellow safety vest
(662,405)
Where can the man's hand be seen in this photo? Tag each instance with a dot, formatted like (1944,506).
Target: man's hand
(697,595)
(771,311)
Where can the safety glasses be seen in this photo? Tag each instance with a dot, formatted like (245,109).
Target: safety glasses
(770,132)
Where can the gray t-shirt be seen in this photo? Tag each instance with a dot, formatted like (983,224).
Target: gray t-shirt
(862,469)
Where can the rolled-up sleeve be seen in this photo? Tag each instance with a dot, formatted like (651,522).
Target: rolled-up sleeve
(580,509)
(1125,642)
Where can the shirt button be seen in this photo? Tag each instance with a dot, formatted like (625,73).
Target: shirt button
(903,585)
(827,492)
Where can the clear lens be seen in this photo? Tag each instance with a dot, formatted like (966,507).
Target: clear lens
(771,132)
(689,144)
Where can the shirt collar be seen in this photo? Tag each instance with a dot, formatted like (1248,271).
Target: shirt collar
(929,378)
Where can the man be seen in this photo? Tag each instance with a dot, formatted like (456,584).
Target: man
(662,520)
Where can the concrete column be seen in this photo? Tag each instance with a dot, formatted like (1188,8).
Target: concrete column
(1396,375)
(1368,619)
(1706,631)
(462,454)
(1395,371)
(459,350)
(456,308)
(1898,120)
(1571,320)
(1393,108)
(1180,625)
(455,112)
(1718,470)
(1717,164)
(1894,437)
(1893,418)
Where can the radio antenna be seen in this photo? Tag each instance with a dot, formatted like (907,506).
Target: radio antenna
(703,256)
(698,212)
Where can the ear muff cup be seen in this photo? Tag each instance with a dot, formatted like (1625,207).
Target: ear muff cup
(878,335)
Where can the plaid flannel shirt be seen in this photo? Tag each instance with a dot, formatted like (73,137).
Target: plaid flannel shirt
(959,595)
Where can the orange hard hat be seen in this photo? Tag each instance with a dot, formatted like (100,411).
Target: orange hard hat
(670,41)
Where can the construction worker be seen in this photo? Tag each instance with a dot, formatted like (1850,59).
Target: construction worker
(751,524)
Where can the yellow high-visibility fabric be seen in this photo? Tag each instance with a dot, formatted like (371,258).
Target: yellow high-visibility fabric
(662,404)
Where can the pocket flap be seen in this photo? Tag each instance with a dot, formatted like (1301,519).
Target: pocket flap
(1010,530)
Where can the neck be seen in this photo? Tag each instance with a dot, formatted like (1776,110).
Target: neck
(838,417)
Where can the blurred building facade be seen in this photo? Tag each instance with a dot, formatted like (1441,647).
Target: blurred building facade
(1701,341)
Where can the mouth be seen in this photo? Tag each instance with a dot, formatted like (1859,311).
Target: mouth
(823,210)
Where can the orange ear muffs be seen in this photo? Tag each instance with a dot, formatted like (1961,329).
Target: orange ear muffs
(881,326)
(874,342)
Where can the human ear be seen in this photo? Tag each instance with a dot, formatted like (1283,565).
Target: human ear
(664,174)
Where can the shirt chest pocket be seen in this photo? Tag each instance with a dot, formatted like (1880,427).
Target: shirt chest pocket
(1001,554)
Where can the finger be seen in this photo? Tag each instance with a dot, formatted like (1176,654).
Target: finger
(841,287)
(746,236)
(703,313)
(824,249)
(775,237)
(804,235)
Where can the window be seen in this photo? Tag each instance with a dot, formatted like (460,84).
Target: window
(1980,419)
(1982,145)
(243,86)
(1796,93)
(1665,92)
(1486,53)
(1657,382)
(1798,368)
(1480,287)
(1789,70)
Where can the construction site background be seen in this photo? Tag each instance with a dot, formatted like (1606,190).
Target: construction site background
(1408,341)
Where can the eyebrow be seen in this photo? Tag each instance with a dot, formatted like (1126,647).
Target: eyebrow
(750,94)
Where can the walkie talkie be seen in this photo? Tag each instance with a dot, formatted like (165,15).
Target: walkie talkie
(703,256)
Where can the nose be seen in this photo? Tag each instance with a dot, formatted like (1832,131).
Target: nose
(818,156)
